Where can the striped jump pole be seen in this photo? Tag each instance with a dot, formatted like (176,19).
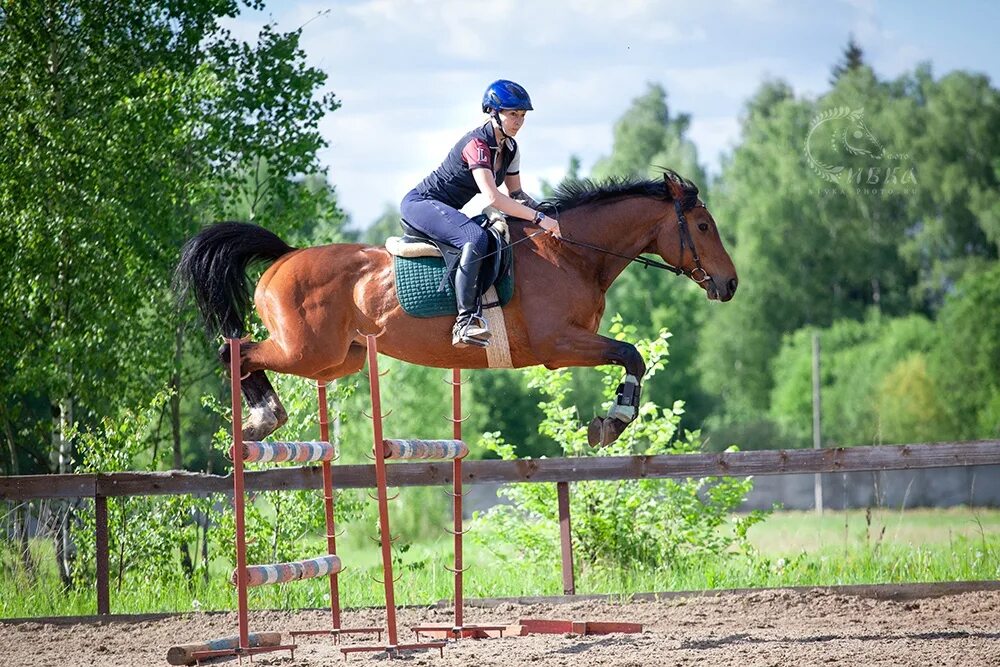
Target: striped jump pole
(245,644)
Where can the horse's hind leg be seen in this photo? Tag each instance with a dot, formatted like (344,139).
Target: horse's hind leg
(267,414)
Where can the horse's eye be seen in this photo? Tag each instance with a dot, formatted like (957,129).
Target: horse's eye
(703,226)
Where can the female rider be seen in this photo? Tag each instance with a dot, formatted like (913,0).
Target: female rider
(480,161)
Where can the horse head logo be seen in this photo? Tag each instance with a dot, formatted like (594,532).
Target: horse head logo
(849,137)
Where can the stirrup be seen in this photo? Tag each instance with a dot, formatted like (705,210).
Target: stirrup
(472,331)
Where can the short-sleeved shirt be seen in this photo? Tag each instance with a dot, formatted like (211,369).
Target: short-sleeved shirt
(453,183)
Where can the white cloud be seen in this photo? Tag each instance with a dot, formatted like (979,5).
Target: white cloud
(410,73)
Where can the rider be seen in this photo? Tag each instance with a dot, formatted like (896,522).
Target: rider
(480,161)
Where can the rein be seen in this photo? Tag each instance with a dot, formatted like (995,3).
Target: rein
(699,275)
(686,241)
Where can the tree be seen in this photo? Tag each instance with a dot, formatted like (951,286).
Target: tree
(647,138)
(853,59)
(124,127)
(837,209)
(965,361)
(875,383)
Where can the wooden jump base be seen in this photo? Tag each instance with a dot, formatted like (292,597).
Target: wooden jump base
(185,653)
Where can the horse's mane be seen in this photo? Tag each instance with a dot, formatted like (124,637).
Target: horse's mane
(575,193)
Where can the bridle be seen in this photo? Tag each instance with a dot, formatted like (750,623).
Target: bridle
(698,274)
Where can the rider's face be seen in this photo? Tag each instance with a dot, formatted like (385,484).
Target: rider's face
(511,120)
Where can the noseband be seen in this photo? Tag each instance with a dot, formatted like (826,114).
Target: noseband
(698,274)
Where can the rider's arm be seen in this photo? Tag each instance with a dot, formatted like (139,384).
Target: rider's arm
(497,199)
(513,183)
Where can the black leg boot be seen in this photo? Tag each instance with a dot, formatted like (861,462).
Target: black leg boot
(470,327)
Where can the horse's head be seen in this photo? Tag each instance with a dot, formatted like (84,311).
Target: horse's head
(689,239)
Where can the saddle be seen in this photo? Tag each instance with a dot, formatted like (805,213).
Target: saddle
(425,269)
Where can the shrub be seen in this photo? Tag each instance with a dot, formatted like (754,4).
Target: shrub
(638,523)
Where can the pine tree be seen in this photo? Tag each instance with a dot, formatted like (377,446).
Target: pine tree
(853,59)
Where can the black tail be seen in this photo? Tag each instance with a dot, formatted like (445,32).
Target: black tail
(213,266)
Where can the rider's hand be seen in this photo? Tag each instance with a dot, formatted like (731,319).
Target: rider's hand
(551,226)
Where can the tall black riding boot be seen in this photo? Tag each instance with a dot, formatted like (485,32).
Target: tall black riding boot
(470,327)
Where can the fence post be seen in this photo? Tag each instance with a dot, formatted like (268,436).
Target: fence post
(566,538)
(101,543)
(817,430)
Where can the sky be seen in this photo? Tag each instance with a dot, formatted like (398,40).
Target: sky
(410,74)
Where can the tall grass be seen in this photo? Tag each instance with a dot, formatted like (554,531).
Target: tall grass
(793,549)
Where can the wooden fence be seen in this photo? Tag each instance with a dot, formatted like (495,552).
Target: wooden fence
(560,471)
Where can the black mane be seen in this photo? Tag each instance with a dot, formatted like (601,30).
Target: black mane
(572,194)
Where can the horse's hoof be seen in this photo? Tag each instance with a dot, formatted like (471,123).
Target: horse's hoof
(597,432)
(257,426)
(280,415)
(602,431)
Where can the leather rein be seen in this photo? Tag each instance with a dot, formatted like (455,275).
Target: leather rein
(698,274)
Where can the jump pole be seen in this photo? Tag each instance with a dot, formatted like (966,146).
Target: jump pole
(331,534)
(458,531)
(244,646)
(381,451)
(459,629)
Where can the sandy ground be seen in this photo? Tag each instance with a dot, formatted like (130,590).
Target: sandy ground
(771,627)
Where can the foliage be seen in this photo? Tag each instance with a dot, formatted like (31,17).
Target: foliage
(812,251)
(645,523)
(965,360)
(874,383)
(795,549)
(125,128)
(145,549)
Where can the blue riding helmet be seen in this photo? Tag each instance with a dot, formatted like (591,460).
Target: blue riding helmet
(503,94)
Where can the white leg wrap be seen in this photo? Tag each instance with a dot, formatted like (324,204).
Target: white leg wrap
(625,412)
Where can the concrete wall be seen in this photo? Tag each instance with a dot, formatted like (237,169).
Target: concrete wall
(936,487)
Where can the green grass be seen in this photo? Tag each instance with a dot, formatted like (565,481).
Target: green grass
(794,549)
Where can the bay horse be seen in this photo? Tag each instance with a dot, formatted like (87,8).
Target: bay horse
(317,302)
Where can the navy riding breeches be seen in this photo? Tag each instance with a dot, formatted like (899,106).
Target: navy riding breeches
(443,222)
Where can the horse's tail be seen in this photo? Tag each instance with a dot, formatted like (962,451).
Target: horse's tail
(213,267)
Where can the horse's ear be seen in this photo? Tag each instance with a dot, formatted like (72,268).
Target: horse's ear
(674,185)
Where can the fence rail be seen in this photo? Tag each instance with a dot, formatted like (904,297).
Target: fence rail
(561,471)
(572,469)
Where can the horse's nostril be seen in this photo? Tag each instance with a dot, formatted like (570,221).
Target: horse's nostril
(732,285)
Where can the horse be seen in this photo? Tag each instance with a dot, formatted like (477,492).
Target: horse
(318,302)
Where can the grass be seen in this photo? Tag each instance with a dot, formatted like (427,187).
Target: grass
(793,549)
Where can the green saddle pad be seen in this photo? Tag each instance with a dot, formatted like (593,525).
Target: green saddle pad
(417,283)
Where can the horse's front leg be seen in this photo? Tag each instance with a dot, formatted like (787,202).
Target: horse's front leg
(583,348)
